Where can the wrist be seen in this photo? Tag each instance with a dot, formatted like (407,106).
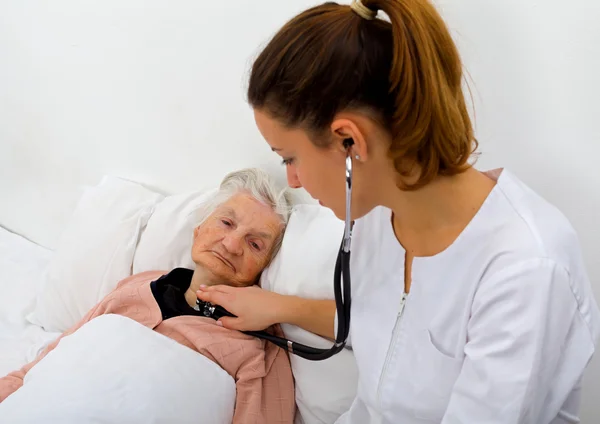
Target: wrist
(284,311)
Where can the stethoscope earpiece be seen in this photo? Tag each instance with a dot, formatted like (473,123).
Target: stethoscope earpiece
(348,143)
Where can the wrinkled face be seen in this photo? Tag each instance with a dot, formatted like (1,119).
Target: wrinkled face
(320,170)
(236,241)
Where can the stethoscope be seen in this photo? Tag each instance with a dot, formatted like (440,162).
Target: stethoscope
(341,289)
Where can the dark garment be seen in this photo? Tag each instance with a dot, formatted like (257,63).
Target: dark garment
(169,292)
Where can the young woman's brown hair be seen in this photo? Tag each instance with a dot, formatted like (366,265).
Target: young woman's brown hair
(406,73)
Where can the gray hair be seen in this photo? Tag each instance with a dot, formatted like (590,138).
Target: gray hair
(258,184)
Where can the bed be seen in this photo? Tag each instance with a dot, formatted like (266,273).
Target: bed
(119,228)
(22,264)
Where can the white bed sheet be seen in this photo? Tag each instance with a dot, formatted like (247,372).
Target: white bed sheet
(22,264)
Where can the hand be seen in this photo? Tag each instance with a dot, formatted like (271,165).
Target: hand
(255,308)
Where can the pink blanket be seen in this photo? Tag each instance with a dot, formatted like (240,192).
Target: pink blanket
(265,387)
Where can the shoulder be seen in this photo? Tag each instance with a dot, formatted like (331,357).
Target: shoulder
(516,226)
(518,229)
(541,225)
(140,279)
(532,253)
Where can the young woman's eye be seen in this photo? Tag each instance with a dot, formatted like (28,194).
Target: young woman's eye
(287,161)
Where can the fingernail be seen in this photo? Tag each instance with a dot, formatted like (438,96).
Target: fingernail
(219,323)
(202,286)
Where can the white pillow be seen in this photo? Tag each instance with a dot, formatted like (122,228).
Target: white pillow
(166,242)
(304,267)
(94,253)
(103,373)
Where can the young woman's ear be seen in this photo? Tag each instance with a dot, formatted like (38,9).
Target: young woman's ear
(347,131)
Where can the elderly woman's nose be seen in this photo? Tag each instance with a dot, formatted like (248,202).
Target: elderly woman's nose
(233,243)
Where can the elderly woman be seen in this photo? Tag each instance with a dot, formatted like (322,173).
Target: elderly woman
(241,231)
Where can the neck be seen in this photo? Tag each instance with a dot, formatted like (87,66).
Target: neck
(429,219)
(200,277)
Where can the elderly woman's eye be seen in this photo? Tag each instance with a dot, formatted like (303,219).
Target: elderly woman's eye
(254,245)
(225,222)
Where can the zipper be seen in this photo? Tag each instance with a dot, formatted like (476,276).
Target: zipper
(390,348)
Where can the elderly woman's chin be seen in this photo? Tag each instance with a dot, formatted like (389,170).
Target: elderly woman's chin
(214,266)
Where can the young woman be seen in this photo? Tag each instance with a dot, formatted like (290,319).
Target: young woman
(477,307)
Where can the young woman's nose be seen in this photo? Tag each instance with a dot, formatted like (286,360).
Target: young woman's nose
(292,177)
(233,243)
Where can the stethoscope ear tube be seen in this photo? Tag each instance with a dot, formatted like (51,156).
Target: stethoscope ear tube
(341,283)
(342,300)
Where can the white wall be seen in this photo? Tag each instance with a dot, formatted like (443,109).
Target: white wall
(154,91)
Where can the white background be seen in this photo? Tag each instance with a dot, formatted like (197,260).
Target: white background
(153,90)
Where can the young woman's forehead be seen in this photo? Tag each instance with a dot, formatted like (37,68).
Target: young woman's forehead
(277,135)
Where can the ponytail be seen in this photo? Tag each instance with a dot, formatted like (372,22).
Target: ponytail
(407,72)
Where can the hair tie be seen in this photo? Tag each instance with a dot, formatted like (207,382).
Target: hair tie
(363,11)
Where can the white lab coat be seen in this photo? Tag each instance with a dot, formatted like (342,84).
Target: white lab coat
(496,329)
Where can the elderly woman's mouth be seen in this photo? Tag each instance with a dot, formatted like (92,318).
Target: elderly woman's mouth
(223,259)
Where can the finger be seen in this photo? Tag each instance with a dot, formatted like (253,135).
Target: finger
(216,298)
(219,288)
(206,296)
(230,323)
(206,288)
